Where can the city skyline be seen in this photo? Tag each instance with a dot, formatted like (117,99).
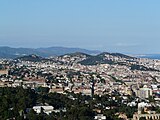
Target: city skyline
(115,26)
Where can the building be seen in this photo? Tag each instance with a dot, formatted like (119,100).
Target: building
(100,117)
(45,109)
(144,92)
(4,72)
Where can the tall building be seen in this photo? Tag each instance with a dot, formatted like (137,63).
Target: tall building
(144,92)
(92,87)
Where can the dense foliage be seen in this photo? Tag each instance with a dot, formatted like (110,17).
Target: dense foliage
(17,103)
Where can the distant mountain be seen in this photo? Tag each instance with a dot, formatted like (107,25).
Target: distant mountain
(64,50)
(8,52)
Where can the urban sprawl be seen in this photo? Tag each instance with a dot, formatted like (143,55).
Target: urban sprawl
(136,81)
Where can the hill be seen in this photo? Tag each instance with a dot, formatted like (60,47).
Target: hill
(106,58)
(32,58)
(8,52)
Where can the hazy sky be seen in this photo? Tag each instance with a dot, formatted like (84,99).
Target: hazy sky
(127,26)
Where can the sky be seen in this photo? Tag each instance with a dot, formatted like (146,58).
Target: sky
(125,26)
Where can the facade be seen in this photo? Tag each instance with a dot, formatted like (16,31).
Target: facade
(144,92)
(45,109)
(4,72)
(100,117)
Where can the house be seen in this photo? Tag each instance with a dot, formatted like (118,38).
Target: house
(45,109)
(100,117)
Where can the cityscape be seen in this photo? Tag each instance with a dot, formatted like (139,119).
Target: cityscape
(79,60)
(104,86)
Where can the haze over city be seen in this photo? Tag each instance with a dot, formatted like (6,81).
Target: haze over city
(115,26)
(79,60)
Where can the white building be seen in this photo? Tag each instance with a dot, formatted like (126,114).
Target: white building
(100,117)
(144,92)
(46,109)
